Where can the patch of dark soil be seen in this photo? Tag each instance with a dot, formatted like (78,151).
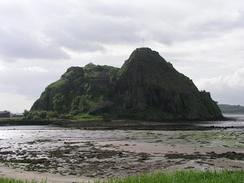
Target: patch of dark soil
(209,155)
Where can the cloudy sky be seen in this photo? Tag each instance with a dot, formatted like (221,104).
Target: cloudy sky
(40,39)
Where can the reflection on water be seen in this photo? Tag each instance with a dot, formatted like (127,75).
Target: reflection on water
(237,120)
(26,133)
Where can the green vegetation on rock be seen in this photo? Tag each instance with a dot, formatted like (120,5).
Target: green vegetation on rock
(146,88)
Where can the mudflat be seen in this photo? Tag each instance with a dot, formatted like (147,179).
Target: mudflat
(55,152)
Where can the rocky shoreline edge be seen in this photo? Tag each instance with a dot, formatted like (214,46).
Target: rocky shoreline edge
(123,124)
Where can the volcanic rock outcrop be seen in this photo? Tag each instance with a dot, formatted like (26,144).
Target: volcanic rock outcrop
(146,87)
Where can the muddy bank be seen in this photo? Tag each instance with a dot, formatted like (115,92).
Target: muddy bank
(40,177)
(144,125)
(115,153)
(227,123)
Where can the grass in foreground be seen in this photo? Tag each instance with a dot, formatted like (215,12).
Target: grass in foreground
(183,177)
(8,180)
(177,177)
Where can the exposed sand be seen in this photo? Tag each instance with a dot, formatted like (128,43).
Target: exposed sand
(39,177)
(71,155)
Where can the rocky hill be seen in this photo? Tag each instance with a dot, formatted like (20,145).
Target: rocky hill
(146,88)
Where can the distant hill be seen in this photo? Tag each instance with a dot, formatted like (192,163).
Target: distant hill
(146,87)
(226,108)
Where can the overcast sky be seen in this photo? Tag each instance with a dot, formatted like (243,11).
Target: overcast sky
(40,39)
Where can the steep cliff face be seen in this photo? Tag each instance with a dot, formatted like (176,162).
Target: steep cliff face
(150,88)
(146,87)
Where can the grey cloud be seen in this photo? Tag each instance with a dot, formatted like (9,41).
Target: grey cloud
(228,95)
(117,9)
(87,26)
(18,44)
(28,82)
(226,88)
(201,38)
(90,33)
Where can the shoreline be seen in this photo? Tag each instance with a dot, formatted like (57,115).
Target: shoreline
(108,154)
(20,174)
(123,124)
